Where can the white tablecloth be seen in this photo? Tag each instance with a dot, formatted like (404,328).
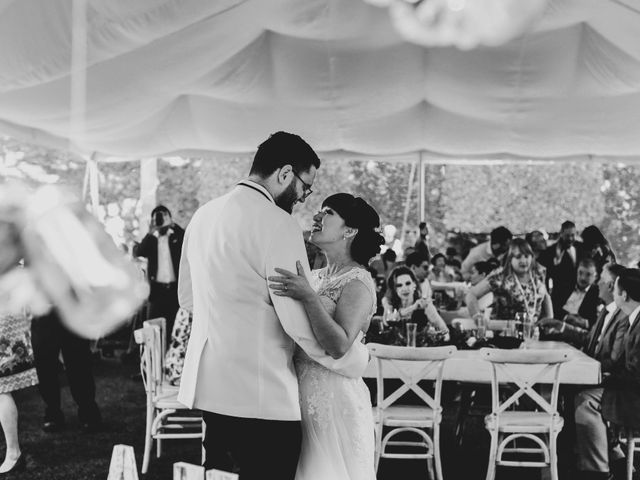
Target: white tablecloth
(467,366)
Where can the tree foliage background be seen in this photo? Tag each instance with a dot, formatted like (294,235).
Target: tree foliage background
(459,198)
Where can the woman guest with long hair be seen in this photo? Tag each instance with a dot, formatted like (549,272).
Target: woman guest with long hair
(518,286)
(405,296)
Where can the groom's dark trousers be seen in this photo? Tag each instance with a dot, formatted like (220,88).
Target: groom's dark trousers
(256,449)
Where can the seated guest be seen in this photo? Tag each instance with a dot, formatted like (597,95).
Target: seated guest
(595,458)
(452,269)
(478,273)
(405,297)
(538,242)
(621,396)
(174,358)
(518,286)
(580,310)
(494,248)
(438,271)
(452,257)
(385,263)
(419,264)
(381,288)
(596,246)
(575,329)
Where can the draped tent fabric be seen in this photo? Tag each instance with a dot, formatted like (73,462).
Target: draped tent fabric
(172,76)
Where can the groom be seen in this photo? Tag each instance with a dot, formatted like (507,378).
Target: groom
(238,368)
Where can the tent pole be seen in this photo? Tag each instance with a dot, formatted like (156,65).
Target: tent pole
(423,175)
(148,188)
(407,202)
(94,184)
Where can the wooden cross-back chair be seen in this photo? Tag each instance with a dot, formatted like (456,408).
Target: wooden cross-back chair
(541,423)
(414,419)
(162,398)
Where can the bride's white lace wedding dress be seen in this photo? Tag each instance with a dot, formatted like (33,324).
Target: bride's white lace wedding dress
(337,423)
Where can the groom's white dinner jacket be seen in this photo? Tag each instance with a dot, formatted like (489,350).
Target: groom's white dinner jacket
(239,356)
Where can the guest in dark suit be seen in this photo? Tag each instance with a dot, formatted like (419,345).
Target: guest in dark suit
(621,397)
(561,261)
(162,247)
(595,457)
(579,310)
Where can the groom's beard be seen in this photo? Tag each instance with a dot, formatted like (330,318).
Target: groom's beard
(288,198)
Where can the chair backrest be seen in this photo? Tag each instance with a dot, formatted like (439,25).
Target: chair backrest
(150,361)
(395,357)
(525,369)
(161,322)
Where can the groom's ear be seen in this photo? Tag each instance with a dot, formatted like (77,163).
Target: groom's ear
(283,172)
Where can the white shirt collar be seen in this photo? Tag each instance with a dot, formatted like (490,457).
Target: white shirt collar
(634,316)
(169,232)
(611,307)
(489,251)
(257,186)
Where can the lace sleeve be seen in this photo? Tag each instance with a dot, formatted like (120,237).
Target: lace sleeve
(365,277)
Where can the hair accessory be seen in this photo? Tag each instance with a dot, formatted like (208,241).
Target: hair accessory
(378,230)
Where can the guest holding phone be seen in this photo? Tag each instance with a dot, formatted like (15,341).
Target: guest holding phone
(162,247)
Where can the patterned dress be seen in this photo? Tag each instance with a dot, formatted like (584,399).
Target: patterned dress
(16,355)
(337,423)
(174,358)
(510,296)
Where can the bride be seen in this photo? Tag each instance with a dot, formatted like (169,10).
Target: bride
(337,423)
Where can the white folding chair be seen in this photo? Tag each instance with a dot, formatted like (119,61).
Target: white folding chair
(162,399)
(632,444)
(540,424)
(161,323)
(409,418)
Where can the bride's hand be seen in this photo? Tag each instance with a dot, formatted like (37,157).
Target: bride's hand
(289,284)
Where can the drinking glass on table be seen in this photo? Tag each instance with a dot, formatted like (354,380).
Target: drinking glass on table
(528,329)
(481,326)
(510,329)
(412,329)
(521,318)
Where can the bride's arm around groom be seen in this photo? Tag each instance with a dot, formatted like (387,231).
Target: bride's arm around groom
(286,253)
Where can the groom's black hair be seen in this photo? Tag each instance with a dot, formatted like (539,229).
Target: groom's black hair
(280,149)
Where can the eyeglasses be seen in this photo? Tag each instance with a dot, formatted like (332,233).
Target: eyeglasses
(305,186)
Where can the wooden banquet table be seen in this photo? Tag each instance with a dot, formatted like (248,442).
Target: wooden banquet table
(467,366)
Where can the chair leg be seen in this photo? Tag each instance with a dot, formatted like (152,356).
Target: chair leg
(466,401)
(158,448)
(430,474)
(436,451)
(148,440)
(630,445)
(553,455)
(493,450)
(378,432)
(204,431)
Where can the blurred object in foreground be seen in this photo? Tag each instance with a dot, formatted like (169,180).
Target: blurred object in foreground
(70,262)
(461,23)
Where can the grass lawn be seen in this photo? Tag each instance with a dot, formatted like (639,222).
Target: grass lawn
(72,454)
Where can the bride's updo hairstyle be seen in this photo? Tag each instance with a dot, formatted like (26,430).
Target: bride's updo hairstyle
(357,213)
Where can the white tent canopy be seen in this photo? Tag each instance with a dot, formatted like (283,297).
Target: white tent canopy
(175,76)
